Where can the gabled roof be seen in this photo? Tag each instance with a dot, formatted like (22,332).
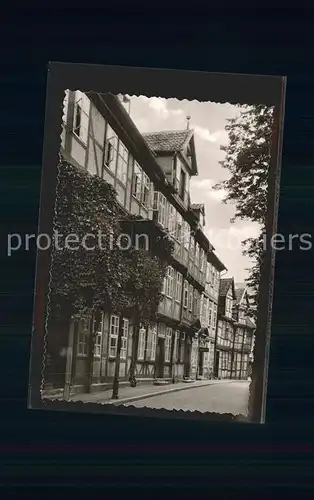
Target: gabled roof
(168,141)
(225,284)
(240,292)
(172,141)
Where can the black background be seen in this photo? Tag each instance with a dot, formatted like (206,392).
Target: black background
(58,448)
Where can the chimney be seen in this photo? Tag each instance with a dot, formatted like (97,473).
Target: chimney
(188,118)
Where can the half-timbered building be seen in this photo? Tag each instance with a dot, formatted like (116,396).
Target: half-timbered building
(151,175)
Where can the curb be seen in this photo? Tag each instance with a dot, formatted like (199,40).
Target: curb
(167,391)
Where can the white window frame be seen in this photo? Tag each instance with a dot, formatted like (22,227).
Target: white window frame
(190,301)
(141,344)
(214,316)
(179,281)
(192,248)
(160,205)
(163,287)
(153,345)
(145,195)
(82,339)
(210,313)
(172,220)
(124,338)
(81,102)
(111,146)
(168,344)
(185,294)
(98,338)
(197,255)
(113,335)
(202,308)
(201,260)
(122,162)
(169,282)
(178,227)
(196,303)
(186,234)
(137,181)
(162,210)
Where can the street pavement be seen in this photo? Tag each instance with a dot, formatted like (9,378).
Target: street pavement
(127,393)
(226,397)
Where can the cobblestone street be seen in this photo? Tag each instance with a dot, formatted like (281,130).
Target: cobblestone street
(226,397)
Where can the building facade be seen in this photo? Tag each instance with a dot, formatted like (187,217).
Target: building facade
(151,175)
(235,331)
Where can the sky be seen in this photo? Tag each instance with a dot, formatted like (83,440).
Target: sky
(208,121)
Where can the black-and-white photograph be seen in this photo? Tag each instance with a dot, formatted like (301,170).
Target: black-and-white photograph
(159,238)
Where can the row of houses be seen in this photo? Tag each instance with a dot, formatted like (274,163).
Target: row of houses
(202,329)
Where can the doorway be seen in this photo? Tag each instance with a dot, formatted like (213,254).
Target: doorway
(187,360)
(216,364)
(201,364)
(160,357)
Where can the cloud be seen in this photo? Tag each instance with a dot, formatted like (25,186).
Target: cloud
(206,185)
(205,135)
(230,239)
(159,106)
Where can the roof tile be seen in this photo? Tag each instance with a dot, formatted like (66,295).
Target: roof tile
(224,286)
(167,141)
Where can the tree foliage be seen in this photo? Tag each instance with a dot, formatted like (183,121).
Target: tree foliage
(247,159)
(107,277)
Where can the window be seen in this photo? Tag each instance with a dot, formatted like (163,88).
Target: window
(206,310)
(98,338)
(179,287)
(172,220)
(186,235)
(82,341)
(162,210)
(169,282)
(228,306)
(163,288)
(182,345)
(160,205)
(137,181)
(178,228)
(190,297)
(214,316)
(141,344)
(151,348)
(168,344)
(113,335)
(196,304)
(185,294)
(202,307)
(197,254)
(111,144)
(210,311)
(201,260)
(145,190)
(192,248)
(124,338)
(81,116)
(122,163)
